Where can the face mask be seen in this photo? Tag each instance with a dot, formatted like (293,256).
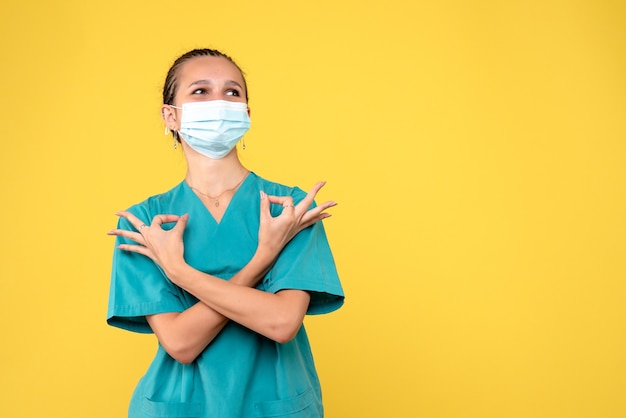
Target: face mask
(213,128)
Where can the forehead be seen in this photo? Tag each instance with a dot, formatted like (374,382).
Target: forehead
(208,68)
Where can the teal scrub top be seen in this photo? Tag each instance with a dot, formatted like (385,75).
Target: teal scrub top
(241,374)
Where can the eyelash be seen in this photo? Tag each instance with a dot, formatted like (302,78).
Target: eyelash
(230,92)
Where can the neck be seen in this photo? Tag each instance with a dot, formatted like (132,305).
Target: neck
(212,177)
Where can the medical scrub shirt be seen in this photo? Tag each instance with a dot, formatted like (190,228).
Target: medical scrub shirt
(241,373)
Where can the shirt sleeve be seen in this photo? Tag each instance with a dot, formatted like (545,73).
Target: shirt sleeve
(307,263)
(138,286)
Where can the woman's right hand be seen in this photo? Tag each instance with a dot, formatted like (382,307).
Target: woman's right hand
(276,232)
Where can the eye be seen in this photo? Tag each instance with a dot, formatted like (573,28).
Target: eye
(233,92)
(199,91)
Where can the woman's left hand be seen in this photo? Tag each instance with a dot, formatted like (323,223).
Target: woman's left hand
(164,247)
(276,232)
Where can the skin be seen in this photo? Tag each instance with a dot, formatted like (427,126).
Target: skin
(277,316)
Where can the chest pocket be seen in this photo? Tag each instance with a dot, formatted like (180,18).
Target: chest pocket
(301,406)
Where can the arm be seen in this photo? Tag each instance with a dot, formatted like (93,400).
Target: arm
(184,335)
(276,316)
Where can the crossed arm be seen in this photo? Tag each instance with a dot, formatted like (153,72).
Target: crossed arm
(277,316)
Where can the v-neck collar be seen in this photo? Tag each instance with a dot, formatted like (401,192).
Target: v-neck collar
(233,199)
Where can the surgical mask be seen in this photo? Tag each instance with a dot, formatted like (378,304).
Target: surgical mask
(214,127)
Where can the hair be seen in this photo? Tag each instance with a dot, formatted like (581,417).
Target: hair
(170,88)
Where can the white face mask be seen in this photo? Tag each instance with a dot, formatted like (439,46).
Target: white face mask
(214,127)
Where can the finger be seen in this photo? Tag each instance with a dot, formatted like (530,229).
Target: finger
(134,221)
(288,204)
(265,206)
(284,201)
(305,223)
(326,205)
(310,197)
(135,236)
(159,220)
(317,213)
(181,224)
(139,249)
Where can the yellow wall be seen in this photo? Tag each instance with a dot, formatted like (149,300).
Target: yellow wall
(476,149)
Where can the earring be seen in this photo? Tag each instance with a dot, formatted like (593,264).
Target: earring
(167,131)
(175,144)
(243,145)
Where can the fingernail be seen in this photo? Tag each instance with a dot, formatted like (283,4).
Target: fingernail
(263,194)
(111,232)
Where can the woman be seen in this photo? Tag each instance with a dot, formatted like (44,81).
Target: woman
(223,267)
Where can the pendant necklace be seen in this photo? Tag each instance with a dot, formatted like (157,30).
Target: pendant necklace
(216,199)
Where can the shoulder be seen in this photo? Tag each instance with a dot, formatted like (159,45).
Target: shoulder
(158,203)
(277,189)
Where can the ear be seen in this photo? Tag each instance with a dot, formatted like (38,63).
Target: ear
(170,117)
(248,112)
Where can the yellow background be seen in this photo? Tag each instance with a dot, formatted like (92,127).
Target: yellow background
(476,149)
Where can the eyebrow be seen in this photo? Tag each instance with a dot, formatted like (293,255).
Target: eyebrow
(204,82)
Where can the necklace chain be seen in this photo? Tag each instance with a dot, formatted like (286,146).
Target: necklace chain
(216,199)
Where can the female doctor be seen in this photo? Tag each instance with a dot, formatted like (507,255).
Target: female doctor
(223,267)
